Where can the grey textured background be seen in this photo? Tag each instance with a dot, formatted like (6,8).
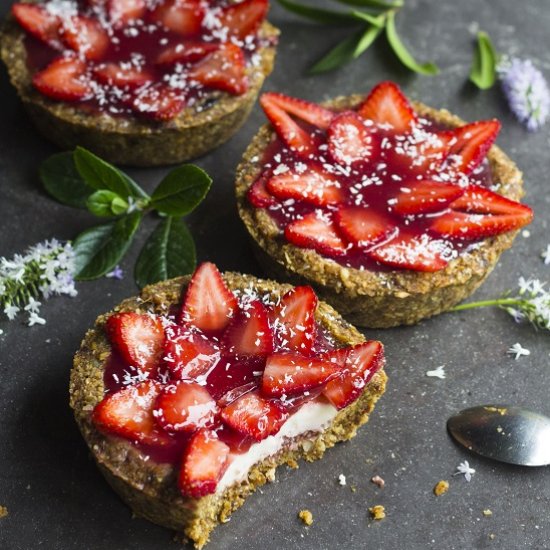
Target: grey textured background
(57,498)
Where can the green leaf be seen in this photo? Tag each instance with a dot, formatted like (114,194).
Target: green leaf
(63,182)
(99,249)
(483,71)
(181,191)
(106,204)
(320,15)
(374,4)
(168,252)
(403,54)
(375,21)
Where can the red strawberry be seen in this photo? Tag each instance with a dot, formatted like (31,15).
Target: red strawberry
(316,231)
(158,103)
(203,465)
(469,144)
(362,226)
(386,104)
(121,12)
(181,16)
(122,75)
(279,107)
(254,416)
(292,373)
(424,196)
(243,18)
(139,339)
(224,69)
(85,36)
(234,394)
(184,407)
(293,320)
(350,140)
(39,22)
(186,52)
(128,413)
(208,304)
(360,364)
(258,195)
(480,200)
(64,79)
(314,186)
(249,332)
(407,251)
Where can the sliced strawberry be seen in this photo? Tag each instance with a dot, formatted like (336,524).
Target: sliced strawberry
(128,413)
(139,339)
(64,79)
(386,104)
(361,362)
(122,12)
(249,332)
(181,16)
(292,373)
(316,231)
(362,226)
(480,200)
(224,69)
(350,140)
(314,186)
(208,304)
(254,416)
(184,407)
(158,103)
(189,51)
(85,36)
(407,251)
(258,195)
(122,75)
(203,465)
(279,107)
(293,320)
(425,196)
(39,22)
(243,18)
(234,394)
(470,144)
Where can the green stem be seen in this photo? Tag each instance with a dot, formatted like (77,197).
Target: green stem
(486,303)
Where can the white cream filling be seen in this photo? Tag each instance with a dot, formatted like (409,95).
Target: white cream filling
(312,417)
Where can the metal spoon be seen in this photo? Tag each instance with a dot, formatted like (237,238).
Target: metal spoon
(505,433)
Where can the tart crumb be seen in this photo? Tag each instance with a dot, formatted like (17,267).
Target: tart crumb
(342,479)
(487,513)
(492,536)
(441,488)
(377,512)
(377,480)
(353,488)
(291,463)
(500,410)
(306,516)
(3,512)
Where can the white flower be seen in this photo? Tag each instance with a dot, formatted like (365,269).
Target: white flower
(524,285)
(11,311)
(518,350)
(464,468)
(33,305)
(34,319)
(545,255)
(439,372)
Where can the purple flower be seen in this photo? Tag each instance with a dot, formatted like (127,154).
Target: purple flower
(526,90)
(117,273)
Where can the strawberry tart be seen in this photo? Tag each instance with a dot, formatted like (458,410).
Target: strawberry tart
(139,82)
(392,210)
(188,408)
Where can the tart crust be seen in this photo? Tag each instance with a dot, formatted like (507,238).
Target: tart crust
(130,140)
(369,298)
(151,489)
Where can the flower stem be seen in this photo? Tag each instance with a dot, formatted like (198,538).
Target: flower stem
(486,303)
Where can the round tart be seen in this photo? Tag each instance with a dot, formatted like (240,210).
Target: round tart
(139,82)
(393,211)
(188,408)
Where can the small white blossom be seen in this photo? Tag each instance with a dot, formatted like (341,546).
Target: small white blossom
(518,350)
(34,319)
(11,312)
(33,305)
(439,372)
(464,468)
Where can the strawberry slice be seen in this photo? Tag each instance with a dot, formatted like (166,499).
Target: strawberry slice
(470,144)
(184,407)
(243,18)
(86,37)
(39,22)
(122,12)
(254,416)
(189,51)
(208,304)
(258,195)
(361,362)
(279,107)
(122,75)
(139,339)
(408,251)
(292,373)
(480,200)
(362,226)
(293,320)
(180,16)
(350,140)
(249,332)
(316,231)
(386,104)
(424,196)
(128,413)
(64,79)
(224,69)
(314,186)
(203,465)
(158,103)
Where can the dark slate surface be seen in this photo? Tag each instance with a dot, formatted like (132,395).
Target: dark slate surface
(56,496)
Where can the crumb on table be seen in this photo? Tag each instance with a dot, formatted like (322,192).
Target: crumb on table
(3,512)
(292,463)
(441,488)
(377,480)
(377,512)
(306,516)
(487,512)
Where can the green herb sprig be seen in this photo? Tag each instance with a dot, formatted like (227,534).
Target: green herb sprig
(484,64)
(372,18)
(82,180)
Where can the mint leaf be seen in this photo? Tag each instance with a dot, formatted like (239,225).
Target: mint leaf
(320,15)
(63,182)
(99,249)
(374,4)
(168,252)
(402,53)
(181,191)
(483,71)
(106,204)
